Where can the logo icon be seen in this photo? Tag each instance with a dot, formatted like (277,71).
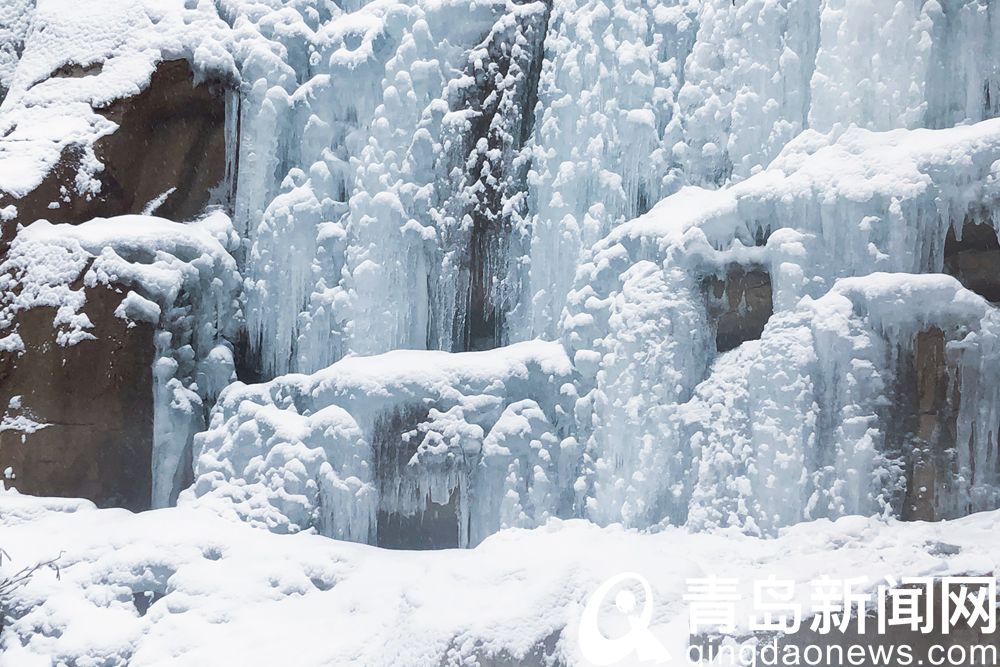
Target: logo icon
(638,642)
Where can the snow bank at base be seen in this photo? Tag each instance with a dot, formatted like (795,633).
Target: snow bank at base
(393,433)
(223,593)
(178,277)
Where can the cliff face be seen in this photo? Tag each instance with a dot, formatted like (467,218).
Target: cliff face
(584,284)
(766,291)
(167,154)
(91,405)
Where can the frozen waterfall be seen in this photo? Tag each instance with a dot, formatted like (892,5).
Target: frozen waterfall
(482,263)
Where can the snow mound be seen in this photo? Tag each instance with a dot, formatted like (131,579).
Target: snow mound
(394,434)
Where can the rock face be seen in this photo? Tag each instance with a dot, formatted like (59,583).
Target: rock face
(435,526)
(975,260)
(740,305)
(929,404)
(96,397)
(93,401)
(171,144)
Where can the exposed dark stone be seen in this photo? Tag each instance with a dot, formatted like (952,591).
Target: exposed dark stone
(975,260)
(483,320)
(171,135)
(97,398)
(435,528)
(77,71)
(543,654)
(927,403)
(503,97)
(739,305)
(145,599)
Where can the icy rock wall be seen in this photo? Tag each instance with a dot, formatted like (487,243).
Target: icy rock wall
(177,279)
(460,175)
(376,176)
(383,248)
(638,100)
(812,399)
(490,211)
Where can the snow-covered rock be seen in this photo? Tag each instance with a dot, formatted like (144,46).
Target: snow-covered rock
(368,446)
(117,333)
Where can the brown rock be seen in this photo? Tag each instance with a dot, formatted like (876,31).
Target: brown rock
(97,398)
(975,260)
(930,411)
(739,305)
(171,135)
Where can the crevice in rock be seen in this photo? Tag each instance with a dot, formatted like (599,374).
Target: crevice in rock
(975,259)
(739,304)
(495,173)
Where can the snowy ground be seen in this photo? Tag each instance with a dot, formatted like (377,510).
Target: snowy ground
(232,594)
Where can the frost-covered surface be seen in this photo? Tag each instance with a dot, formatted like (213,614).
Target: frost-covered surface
(178,277)
(794,426)
(396,156)
(221,592)
(653,425)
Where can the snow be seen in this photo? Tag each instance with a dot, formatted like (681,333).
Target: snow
(41,117)
(222,591)
(358,212)
(847,220)
(500,163)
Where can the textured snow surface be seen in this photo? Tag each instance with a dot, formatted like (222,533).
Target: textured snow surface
(649,424)
(222,592)
(810,395)
(40,116)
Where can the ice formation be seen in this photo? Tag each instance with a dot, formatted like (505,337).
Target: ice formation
(484,254)
(390,434)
